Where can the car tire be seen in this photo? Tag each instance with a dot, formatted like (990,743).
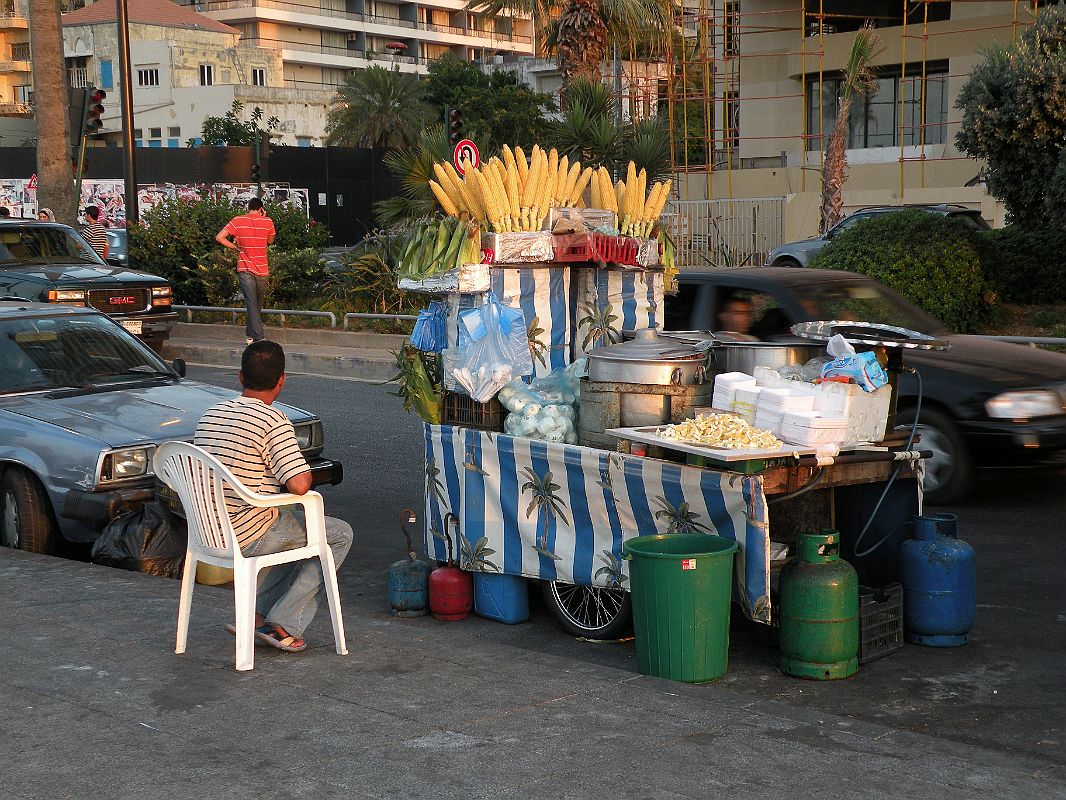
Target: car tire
(589,611)
(786,262)
(949,473)
(26,520)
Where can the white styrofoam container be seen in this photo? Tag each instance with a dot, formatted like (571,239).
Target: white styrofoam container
(766,420)
(746,401)
(785,399)
(725,388)
(808,429)
(866,412)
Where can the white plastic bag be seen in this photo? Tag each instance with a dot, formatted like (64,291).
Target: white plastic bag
(487,359)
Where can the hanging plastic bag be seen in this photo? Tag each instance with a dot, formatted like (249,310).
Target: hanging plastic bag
(430,334)
(546,408)
(492,349)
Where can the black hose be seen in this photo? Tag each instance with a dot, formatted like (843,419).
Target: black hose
(813,482)
(891,478)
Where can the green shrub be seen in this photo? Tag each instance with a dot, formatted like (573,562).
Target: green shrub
(296,276)
(216,272)
(934,261)
(1026,265)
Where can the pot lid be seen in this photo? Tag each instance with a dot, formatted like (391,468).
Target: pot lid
(647,345)
(868,333)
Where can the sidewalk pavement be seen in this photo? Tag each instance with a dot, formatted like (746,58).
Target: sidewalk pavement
(310,351)
(96,705)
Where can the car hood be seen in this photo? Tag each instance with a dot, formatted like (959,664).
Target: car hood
(100,274)
(139,414)
(1010,366)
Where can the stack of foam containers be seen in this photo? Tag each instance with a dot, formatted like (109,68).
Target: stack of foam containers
(725,389)
(746,402)
(774,403)
(812,429)
(866,412)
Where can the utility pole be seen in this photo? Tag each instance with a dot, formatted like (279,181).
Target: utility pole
(129,158)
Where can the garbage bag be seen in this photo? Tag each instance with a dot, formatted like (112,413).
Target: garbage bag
(150,539)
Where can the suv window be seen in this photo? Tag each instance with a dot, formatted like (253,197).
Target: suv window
(42,245)
(679,308)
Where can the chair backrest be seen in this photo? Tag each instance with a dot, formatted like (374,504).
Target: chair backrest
(200,480)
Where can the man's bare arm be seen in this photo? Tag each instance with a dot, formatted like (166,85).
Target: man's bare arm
(299,484)
(222,237)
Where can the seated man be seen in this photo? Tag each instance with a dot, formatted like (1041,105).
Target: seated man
(258,445)
(734,320)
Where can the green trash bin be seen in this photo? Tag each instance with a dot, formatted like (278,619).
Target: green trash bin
(682,586)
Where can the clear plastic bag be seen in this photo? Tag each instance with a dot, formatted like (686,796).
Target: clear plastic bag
(492,350)
(546,408)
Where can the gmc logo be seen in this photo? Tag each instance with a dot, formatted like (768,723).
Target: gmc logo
(123,301)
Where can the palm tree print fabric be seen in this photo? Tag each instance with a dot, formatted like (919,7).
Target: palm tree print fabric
(543,294)
(561,512)
(614,300)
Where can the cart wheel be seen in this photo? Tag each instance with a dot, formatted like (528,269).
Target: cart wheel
(589,611)
(949,473)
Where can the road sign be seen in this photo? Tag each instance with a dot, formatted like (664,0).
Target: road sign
(465,150)
(31,184)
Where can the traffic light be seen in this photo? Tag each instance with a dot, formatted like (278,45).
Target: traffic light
(455,126)
(94,109)
(256,172)
(76,115)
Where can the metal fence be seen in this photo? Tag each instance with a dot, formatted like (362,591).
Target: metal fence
(284,312)
(725,233)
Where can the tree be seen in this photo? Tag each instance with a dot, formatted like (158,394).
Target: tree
(496,107)
(231,130)
(581,33)
(378,107)
(1014,116)
(858,79)
(55,187)
(414,167)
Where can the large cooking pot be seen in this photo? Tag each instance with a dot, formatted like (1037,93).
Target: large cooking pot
(648,359)
(746,356)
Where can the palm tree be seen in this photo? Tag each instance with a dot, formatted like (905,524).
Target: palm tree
(378,107)
(858,79)
(414,167)
(681,519)
(546,504)
(600,324)
(55,188)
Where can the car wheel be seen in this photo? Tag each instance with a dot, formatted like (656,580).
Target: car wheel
(786,262)
(589,611)
(26,521)
(949,473)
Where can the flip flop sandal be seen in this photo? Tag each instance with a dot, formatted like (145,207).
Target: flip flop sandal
(268,635)
(231,629)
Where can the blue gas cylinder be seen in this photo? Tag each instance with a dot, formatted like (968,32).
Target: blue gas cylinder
(408,584)
(939,577)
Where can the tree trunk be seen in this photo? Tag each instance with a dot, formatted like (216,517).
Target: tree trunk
(834,169)
(55,183)
(582,41)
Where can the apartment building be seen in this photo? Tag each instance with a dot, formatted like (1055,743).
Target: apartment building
(773,72)
(321,40)
(16,116)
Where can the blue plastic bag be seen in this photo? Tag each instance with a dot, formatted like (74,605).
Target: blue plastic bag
(860,367)
(430,334)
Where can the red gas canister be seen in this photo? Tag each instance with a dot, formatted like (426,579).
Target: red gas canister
(451,591)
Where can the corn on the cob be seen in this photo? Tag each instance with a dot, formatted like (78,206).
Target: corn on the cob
(562,175)
(521,164)
(582,183)
(442,198)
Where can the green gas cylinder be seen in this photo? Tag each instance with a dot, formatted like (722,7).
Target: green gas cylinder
(819,611)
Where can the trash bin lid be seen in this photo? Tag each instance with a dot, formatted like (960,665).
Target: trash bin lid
(678,545)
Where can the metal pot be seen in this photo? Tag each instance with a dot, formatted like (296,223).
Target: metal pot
(648,359)
(746,356)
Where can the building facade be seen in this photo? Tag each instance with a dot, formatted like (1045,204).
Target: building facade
(16,86)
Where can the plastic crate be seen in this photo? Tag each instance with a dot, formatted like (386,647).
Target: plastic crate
(579,247)
(459,409)
(880,621)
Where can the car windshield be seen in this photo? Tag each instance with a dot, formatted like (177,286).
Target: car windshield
(79,352)
(865,302)
(26,244)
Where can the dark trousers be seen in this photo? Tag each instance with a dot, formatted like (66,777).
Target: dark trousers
(254,289)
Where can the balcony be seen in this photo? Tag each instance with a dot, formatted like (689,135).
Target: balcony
(78,77)
(15,109)
(13,16)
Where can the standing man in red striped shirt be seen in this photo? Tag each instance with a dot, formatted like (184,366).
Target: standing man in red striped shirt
(249,234)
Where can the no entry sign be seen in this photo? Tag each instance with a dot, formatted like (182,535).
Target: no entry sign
(465,150)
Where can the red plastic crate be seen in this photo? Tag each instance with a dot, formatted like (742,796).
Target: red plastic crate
(578,247)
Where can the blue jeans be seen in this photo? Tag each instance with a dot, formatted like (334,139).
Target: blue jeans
(254,289)
(288,594)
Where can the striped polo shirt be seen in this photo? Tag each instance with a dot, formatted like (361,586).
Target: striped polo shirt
(251,232)
(258,445)
(96,235)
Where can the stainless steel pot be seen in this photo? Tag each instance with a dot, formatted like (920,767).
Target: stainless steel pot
(648,359)
(746,356)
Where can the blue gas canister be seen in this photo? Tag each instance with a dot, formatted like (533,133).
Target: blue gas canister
(408,578)
(939,577)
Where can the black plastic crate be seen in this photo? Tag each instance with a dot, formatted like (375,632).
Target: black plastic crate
(880,621)
(459,409)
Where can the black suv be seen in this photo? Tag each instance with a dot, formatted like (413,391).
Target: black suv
(48,263)
(799,254)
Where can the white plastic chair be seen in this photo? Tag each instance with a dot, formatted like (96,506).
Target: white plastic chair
(199,479)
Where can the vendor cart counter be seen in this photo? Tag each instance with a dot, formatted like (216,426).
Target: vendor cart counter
(557,512)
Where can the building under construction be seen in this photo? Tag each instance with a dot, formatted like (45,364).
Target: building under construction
(754,96)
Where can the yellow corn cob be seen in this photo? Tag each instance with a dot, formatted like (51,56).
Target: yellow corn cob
(562,173)
(527,183)
(620,194)
(595,193)
(607,194)
(553,176)
(508,158)
(451,188)
(547,187)
(583,181)
(570,185)
(660,201)
(642,184)
(443,199)
(499,190)
(512,190)
(523,167)
(484,201)
(648,214)
(466,191)
(493,211)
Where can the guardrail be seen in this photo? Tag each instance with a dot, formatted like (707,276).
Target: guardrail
(284,312)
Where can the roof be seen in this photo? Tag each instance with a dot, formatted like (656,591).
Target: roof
(147,12)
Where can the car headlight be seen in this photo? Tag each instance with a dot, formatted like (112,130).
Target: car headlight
(1024,405)
(130,462)
(310,437)
(161,296)
(66,296)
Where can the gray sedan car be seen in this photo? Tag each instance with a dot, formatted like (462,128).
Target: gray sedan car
(83,404)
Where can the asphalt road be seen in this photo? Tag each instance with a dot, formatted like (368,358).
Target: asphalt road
(1003,691)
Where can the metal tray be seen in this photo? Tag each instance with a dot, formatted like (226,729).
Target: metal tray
(731,457)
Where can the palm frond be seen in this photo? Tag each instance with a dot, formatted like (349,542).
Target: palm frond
(859,77)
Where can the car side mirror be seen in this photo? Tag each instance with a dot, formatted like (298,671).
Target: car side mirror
(178,365)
